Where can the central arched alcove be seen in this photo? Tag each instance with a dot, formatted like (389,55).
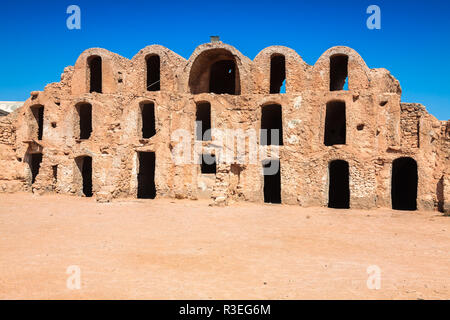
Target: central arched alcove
(215,71)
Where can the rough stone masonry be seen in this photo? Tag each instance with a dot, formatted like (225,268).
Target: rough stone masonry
(346,141)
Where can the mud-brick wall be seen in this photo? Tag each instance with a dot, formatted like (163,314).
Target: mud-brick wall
(410,125)
(7,132)
(446,160)
(12,175)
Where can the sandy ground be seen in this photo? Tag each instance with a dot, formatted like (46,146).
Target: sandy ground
(176,249)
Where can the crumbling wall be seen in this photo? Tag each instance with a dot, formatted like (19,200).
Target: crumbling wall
(12,173)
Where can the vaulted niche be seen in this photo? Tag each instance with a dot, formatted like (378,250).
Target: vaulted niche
(38,126)
(148,119)
(95,74)
(277,74)
(338,72)
(404,184)
(203,121)
(215,71)
(271,125)
(84,112)
(339,190)
(153,73)
(335,123)
(84,176)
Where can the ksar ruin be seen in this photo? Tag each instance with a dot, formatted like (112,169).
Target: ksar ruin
(347,141)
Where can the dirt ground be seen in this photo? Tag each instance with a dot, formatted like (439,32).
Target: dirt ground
(181,249)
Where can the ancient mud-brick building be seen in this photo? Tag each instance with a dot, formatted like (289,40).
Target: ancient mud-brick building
(107,130)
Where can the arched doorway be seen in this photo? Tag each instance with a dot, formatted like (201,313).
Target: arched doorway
(339,189)
(404,183)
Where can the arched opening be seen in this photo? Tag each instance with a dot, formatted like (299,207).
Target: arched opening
(38,126)
(84,164)
(95,74)
(272,181)
(146,175)
(338,72)
(148,119)
(404,184)
(339,189)
(34,162)
(335,123)
(271,125)
(215,71)
(277,74)
(84,111)
(153,73)
(203,121)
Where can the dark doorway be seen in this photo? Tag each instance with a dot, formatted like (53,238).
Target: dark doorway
(404,184)
(208,164)
(146,176)
(339,190)
(277,73)
(335,123)
(148,120)
(338,72)
(35,165)
(271,120)
(85,114)
(84,164)
(95,71)
(272,181)
(223,77)
(153,73)
(203,115)
(38,114)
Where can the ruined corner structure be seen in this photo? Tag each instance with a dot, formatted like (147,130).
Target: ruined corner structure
(54,143)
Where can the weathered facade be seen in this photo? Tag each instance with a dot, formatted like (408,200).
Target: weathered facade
(110,128)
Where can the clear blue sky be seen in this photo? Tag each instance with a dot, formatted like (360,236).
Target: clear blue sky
(413,43)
